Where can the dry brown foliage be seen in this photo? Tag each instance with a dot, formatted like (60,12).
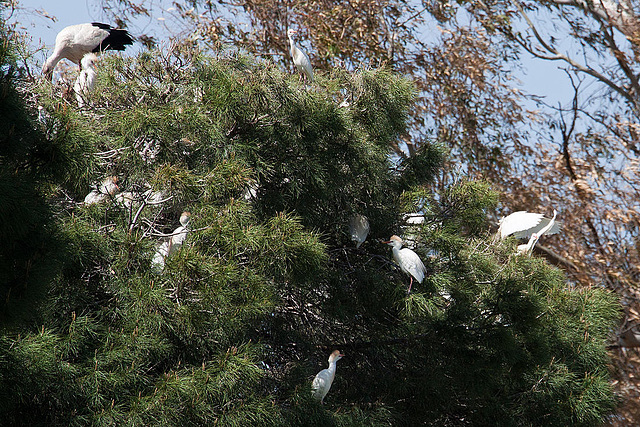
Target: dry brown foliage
(581,158)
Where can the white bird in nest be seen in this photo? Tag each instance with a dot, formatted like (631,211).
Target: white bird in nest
(131,199)
(86,79)
(75,41)
(523,224)
(300,59)
(171,246)
(408,260)
(107,190)
(527,249)
(323,380)
(359,229)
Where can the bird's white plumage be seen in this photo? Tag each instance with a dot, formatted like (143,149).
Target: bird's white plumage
(359,229)
(86,79)
(157,262)
(323,380)
(408,260)
(179,234)
(251,192)
(126,199)
(528,248)
(523,224)
(300,59)
(75,41)
(171,246)
(108,189)
(131,199)
(413,218)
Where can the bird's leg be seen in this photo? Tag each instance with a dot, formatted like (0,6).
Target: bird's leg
(410,283)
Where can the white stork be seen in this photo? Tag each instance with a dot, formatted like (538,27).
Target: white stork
(86,79)
(75,41)
(300,59)
(523,224)
(323,380)
(408,260)
(527,249)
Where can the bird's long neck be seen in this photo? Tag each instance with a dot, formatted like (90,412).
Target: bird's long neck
(292,45)
(395,250)
(532,242)
(332,368)
(90,72)
(50,64)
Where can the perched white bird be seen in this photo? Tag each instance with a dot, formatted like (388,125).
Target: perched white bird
(157,262)
(523,224)
(126,199)
(300,59)
(171,246)
(359,229)
(322,382)
(408,260)
(155,197)
(107,190)
(528,248)
(75,41)
(179,234)
(413,218)
(131,199)
(86,79)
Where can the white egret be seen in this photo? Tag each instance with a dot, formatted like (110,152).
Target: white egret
(75,41)
(179,234)
(171,246)
(359,229)
(527,249)
(323,380)
(523,224)
(108,189)
(413,218)
(126,199)
(86,79)
(408,260)
(157,262)
(131,199)
(300,59)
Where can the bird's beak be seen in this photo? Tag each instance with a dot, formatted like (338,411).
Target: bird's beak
(385,241)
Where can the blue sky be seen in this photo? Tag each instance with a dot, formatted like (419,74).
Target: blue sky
(539,77)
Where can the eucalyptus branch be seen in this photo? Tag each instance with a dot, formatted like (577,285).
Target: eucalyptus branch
(559,56)
(566,137)
(621,59)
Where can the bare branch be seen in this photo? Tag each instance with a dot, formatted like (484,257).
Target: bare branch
(559,56)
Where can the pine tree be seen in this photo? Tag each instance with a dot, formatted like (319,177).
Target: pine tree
(235,325)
